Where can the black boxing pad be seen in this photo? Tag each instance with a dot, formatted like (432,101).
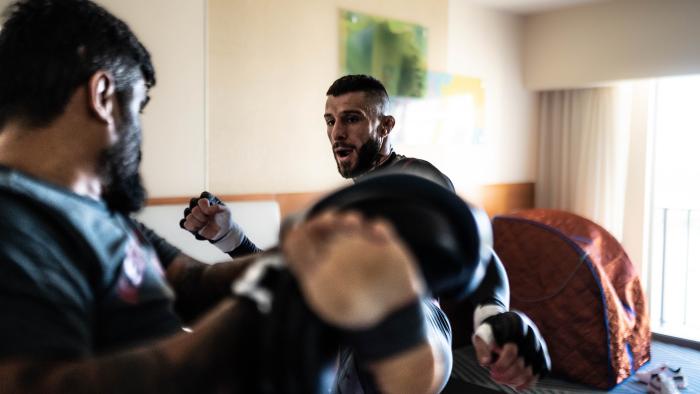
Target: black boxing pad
(302,347)
(450,239)
(296,350)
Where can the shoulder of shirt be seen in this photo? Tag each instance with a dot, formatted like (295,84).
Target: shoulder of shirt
(412,162)
(50,214)
(425,167)
(405,160)
(17,210)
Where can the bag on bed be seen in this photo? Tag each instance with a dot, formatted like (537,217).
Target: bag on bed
(577,284)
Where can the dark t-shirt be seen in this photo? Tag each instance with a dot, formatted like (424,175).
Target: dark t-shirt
(396,163)
(165,250)
(75,278)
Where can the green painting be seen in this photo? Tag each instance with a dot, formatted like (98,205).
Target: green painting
(392,51)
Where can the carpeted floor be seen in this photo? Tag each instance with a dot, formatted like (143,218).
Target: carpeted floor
(469,377)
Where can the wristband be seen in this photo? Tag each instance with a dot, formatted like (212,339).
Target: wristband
(231,240)
(481,313)
(401,330)
(485,332)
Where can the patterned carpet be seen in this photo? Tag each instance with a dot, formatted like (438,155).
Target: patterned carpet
(469,377)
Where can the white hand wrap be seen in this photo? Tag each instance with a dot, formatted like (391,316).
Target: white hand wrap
(481,313)
(230,234)
(233,238)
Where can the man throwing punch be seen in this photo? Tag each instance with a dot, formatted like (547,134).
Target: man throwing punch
(358,129)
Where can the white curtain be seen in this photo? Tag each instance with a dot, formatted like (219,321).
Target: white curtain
(584,136)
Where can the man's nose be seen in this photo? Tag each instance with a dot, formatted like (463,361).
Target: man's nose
(338,132)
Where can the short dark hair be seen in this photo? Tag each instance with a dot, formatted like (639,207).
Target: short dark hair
(373,89)
(48,48)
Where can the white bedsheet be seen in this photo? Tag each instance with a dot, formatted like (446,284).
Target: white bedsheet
(259,219)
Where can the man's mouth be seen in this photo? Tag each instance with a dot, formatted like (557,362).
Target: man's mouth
(343,153)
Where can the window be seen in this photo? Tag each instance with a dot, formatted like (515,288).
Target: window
(674,237)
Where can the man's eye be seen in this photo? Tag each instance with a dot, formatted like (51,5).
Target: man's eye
(330,122)
(351,119)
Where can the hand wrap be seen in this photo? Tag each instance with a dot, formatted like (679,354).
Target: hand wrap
(515,327)
(193,203)
(232,235)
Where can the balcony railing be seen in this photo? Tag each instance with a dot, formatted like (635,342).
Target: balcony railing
(675,272)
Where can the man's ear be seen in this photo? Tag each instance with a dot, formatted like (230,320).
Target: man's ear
(102,96)
(387,123)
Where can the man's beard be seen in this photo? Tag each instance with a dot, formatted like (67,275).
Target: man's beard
(122,187)
(366,157)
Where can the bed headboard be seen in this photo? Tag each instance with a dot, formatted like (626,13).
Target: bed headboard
(260,219)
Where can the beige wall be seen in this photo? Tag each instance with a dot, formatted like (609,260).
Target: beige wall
(174,121)
(613,40)
(487,44)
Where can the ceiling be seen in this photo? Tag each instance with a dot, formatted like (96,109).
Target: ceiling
(530,6)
